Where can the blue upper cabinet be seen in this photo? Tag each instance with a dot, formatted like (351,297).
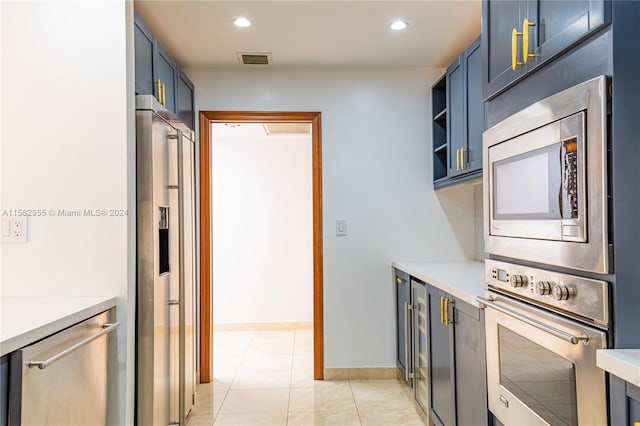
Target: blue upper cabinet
(455,110)
(474,113)
(465,120)
(144,58)
(166,78)
(185,101)
(499,19)
(518,36)
(158,74)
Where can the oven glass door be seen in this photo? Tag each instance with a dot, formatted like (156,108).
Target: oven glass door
(536,374)
(537,183)
(542,379)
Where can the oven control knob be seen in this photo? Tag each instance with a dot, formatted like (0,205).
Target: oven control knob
(518,281)
(562,292)
(544,287)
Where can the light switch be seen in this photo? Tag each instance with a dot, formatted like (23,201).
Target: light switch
(341,227)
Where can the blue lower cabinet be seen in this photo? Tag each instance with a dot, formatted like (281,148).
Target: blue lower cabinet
(4,390)
(441,357)
(624,399)
(458,362)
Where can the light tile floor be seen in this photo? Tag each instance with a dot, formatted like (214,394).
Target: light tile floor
(266,378)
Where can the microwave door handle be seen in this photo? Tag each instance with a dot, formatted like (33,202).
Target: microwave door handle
(535,323)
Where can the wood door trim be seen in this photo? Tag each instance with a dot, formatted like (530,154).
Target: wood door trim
(206,311)
(206,283)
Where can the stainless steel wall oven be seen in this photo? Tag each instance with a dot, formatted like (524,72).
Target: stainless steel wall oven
(546,202)
(543,329)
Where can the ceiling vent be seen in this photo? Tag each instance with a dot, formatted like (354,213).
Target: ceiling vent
(254,58)
(287,128)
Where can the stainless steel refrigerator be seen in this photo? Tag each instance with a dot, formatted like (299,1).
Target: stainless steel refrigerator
(165,350)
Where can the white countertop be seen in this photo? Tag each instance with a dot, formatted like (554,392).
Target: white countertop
(26,320)
(463,280)
(624,363)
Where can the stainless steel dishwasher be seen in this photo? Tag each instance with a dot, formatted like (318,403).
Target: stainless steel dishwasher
(62,379)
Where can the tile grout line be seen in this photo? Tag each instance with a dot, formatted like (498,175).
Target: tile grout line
(226,394)
(355,403)
(293,353)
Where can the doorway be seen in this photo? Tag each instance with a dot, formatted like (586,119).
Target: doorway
(207,118)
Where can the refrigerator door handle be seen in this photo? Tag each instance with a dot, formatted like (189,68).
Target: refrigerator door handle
(181,279)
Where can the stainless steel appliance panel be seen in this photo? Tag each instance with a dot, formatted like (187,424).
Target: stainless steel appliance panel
(153,350)
(166,266)
(584,299)
(189,269)
(421,381)
(580,242)
(541,368)
(62,380)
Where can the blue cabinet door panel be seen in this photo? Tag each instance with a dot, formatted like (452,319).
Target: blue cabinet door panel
(167,74)
(455,114)
(143,60)
(442,362)
(560,23)
(185,100)
(475,117)
(499,18)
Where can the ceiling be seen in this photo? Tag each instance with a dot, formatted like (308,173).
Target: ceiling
(328,33)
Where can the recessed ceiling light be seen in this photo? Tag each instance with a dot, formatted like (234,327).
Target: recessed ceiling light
(398,25)
(242,22)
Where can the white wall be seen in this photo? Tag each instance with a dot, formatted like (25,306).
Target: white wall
(377,174)
(262,226)
(66,132)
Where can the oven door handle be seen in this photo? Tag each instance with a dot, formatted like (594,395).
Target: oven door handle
(568,337)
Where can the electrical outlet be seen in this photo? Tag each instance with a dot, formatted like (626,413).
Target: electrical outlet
(14,229)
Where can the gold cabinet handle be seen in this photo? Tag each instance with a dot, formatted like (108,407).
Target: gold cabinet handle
(159,83)
(441,309)
(446,312)
(514,49)
(463,164)
(525,40)
(164,95)
(447,321)
(457,159)
(400,280)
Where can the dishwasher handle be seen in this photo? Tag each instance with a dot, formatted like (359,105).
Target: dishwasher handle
(107,328)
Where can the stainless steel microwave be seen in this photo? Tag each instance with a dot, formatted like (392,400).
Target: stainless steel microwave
(545,181)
